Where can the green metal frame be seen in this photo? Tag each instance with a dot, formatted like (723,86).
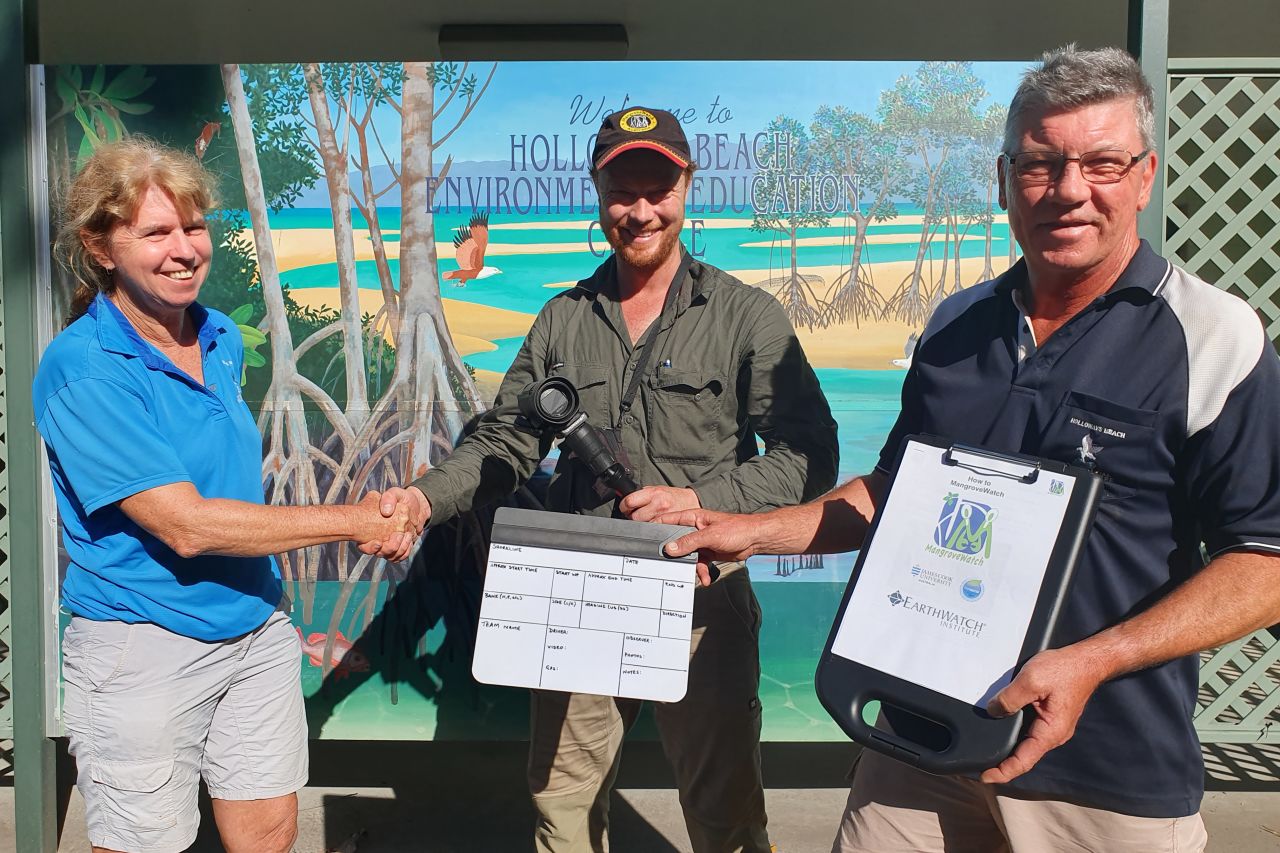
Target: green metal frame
(34,801)
(1149,41)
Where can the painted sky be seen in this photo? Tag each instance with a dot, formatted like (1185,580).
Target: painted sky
(539,95)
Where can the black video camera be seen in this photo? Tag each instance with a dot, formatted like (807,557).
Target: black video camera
(552,405)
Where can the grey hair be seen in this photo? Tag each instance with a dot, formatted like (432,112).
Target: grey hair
(1069,78)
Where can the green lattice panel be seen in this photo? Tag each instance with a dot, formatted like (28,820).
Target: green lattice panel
(1239,699)
(1222,222)
(1222,200)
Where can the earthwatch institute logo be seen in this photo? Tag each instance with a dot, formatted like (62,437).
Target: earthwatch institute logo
(965,526)
(961,623)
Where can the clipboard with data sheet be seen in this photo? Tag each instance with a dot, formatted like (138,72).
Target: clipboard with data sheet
(959,583)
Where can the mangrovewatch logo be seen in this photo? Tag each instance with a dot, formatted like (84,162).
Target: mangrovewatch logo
(965,527)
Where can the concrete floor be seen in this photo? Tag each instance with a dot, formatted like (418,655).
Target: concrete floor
(470,799)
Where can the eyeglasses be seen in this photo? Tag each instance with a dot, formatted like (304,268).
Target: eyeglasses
(1096,167)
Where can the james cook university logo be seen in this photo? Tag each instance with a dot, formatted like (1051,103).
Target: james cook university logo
(965,526)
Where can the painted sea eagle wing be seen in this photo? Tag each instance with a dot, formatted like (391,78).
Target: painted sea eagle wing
(466,251)
(480,231)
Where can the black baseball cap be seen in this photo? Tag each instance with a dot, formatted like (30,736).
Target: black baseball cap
(640,127)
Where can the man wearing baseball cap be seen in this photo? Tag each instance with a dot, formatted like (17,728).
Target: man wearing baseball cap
(685,366)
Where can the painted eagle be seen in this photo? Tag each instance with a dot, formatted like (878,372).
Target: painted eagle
(909,351)
(468,248)
(207,133)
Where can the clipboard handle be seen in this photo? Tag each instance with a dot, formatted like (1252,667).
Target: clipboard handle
(934,749)
(991,464)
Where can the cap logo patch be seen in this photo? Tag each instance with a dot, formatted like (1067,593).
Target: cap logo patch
(637,121)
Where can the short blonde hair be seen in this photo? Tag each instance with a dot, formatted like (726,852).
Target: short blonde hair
(108,191)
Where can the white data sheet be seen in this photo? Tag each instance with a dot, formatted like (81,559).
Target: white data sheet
(585,622)
(953,573)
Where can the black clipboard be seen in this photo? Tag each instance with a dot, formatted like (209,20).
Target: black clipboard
(973,741)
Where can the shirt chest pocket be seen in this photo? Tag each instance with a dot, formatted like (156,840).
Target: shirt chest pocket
(684,414)
(591,380)
(1115,440)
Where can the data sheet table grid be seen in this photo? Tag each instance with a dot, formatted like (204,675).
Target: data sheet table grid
(585,622)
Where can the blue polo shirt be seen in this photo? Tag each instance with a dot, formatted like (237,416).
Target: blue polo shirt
(1169,387)
(118,418)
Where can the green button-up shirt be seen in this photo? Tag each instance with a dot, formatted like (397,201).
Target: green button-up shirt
(728,368)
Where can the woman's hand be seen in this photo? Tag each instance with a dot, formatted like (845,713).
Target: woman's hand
(192,525)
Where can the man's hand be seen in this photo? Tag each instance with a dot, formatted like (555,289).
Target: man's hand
(418,505)
(1056,684)
(415,508)
(388,535)
(652,501)
(720,536)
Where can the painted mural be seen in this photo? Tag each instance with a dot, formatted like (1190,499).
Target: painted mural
(386,233)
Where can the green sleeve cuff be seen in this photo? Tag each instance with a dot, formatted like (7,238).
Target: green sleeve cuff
(444,499)
(718,494)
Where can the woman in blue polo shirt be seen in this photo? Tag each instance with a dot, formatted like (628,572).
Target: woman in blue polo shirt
(180,661)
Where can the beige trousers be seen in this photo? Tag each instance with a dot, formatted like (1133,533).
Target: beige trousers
(894,808)
(711,737)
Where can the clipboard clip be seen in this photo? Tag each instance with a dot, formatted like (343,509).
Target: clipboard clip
(991,464)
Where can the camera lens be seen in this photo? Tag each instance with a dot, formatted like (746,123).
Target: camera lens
(554,403)
(551,403)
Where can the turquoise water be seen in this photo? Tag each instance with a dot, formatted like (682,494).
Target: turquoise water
(498,360)
(865,404)
(519,284)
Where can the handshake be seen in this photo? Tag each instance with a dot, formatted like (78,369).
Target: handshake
(390,522)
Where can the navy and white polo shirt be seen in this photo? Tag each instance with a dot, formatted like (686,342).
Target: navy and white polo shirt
(1169,387)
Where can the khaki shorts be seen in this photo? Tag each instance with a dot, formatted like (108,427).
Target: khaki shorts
(149,713)
(894,808)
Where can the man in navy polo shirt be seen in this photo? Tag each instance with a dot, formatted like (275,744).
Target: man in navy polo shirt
(1096,351)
